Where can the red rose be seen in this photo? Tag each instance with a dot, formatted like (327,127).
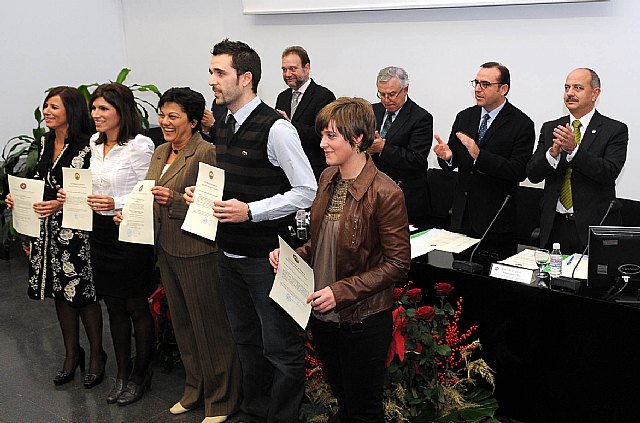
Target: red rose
(414,295)
(397,293)
(443,289)
(427,313)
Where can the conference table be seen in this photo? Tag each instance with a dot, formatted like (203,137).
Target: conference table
(558,356)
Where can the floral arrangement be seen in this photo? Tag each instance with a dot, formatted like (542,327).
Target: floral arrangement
(431,376)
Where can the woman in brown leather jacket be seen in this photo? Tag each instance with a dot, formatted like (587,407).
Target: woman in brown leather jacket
(359,248)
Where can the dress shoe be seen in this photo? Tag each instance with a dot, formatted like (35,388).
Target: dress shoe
(133,391)
(215,419)
(178,409)
(117,390)
(62,377)
(92,379)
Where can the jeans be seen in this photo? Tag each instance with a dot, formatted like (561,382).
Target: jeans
(353,357)
(268,341)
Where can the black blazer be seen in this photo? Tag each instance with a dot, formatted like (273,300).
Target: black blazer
(314,99)
(500,167)
(404,157)
(596,165)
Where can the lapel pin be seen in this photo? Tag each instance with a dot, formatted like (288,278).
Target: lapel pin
(244,153)
(593,131)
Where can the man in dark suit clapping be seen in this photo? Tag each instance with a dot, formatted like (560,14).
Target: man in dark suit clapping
(403,140)
(490,144)
(301,102)
(579,157)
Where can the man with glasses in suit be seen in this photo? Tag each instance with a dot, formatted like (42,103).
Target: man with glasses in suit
(403,140)
(490,145)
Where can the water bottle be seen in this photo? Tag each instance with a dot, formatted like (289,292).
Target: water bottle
(556,261)
(301,225)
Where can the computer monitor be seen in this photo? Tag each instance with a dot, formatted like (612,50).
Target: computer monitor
(614,251)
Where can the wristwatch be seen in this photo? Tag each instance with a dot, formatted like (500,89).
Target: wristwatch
(249,215)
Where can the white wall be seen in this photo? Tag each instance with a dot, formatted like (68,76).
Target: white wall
(168,43)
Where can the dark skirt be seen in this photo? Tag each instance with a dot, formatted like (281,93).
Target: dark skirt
(120,269)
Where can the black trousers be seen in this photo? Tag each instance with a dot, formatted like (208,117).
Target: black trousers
(353,357)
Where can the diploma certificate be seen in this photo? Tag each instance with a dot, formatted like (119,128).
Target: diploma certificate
(137,215)
(25,192)
(293,284)
(200,219)
(76,213)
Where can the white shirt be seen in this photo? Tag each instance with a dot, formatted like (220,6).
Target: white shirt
(285,151)
(116,174)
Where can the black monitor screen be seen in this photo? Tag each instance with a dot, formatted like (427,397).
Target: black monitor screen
(609,248)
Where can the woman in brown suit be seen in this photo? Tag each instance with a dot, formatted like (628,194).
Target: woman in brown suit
(188,263)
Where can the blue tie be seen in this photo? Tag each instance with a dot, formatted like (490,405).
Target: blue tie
(483,127)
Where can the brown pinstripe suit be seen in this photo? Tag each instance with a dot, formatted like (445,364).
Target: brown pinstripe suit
(189,274)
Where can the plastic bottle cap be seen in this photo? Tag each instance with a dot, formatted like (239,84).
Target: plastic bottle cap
(556,245)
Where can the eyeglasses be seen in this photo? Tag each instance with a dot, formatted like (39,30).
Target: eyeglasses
(389,96)
(484,84)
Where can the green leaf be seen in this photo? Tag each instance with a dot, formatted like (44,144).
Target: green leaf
(37,114)
(443,350)
(122,75)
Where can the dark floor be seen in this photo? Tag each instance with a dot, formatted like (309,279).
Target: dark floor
(32,352)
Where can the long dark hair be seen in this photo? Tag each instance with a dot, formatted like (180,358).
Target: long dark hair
(79,125)
(121,98)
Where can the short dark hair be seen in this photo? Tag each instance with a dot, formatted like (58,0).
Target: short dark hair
(75,106)
(352,117)
(191,102)
(505,76)
(300,51)
(243,59)
(122,99)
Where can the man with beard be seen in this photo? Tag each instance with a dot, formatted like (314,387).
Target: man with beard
(301,103)
(579,157)
(267,178)
(490,144)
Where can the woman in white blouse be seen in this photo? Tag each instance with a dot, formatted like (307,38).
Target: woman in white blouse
(122,271)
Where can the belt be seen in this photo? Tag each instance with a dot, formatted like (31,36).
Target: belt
(566,216)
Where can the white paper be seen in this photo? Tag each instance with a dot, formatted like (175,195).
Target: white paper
(570,263)
(524,259)
(209,186)
(421,243)
(25,192)
(511,273)
(76,213)
(293,284)
(137,223)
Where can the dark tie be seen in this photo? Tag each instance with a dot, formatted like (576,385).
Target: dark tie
(483,127)
(231,126)
(387,124)
(566,197)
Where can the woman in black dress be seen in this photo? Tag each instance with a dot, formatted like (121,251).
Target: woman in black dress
(59,262)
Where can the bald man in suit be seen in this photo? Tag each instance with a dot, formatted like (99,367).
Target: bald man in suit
(579,157)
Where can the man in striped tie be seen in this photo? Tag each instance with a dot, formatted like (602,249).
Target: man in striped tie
(579,157)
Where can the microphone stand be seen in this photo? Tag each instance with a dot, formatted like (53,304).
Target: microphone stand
(469,266)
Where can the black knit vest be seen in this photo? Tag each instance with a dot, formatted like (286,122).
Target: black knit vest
(249,176)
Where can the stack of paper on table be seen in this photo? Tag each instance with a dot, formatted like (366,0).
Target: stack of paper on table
(439,239)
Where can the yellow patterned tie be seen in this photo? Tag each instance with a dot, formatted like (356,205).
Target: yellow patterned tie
(566,198)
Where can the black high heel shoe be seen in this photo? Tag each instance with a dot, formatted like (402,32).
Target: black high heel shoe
(62,377)
(117,390)
(133,391)
(92,379)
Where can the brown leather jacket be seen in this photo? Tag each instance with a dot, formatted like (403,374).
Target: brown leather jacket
(373,242)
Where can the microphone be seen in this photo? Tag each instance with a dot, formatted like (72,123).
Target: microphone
(470,266)
(606,214)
